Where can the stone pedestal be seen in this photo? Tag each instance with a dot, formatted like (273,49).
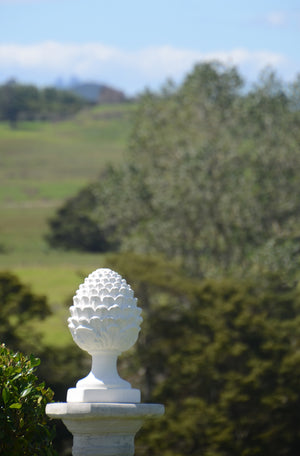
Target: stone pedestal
(103,429)
(103,411)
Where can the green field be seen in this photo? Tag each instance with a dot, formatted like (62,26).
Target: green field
(41,165)
(47,162)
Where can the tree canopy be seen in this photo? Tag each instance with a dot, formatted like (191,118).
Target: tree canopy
(20,308)
(211,179)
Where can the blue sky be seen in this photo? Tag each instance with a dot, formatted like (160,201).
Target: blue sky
(133,44)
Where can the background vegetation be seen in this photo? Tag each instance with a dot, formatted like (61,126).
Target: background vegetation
(192,194)
(222,355)
(27,102)
(211,179)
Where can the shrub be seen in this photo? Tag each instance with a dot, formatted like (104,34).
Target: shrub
(24,428)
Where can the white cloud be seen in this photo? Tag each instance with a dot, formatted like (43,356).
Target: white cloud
(174,61)
(56,56)
(129,70)
(276,18)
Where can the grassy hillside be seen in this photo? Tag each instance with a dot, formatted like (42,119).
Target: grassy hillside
(49,161)
(41,164)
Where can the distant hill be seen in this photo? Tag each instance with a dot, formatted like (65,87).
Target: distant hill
(98,93)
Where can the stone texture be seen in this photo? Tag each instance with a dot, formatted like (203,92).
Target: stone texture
(103,429)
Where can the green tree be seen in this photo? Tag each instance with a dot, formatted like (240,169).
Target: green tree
(20,309)
(57,104)
(10,102)
(74,227)
(211,178)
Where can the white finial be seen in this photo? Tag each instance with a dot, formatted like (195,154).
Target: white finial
(105,321)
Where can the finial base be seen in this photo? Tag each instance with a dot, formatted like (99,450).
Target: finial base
(103,383)
(119,395)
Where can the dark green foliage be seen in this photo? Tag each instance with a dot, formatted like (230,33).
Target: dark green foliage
(232,380)
(93,220)
(18,307)
(24,428)
(16,99)
(26,102)
(57,104)
(223,356)
(74,227)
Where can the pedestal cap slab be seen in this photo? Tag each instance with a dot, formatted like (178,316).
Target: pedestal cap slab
(103,429)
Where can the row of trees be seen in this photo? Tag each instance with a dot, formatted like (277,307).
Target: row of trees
(27,102)
(211,179)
